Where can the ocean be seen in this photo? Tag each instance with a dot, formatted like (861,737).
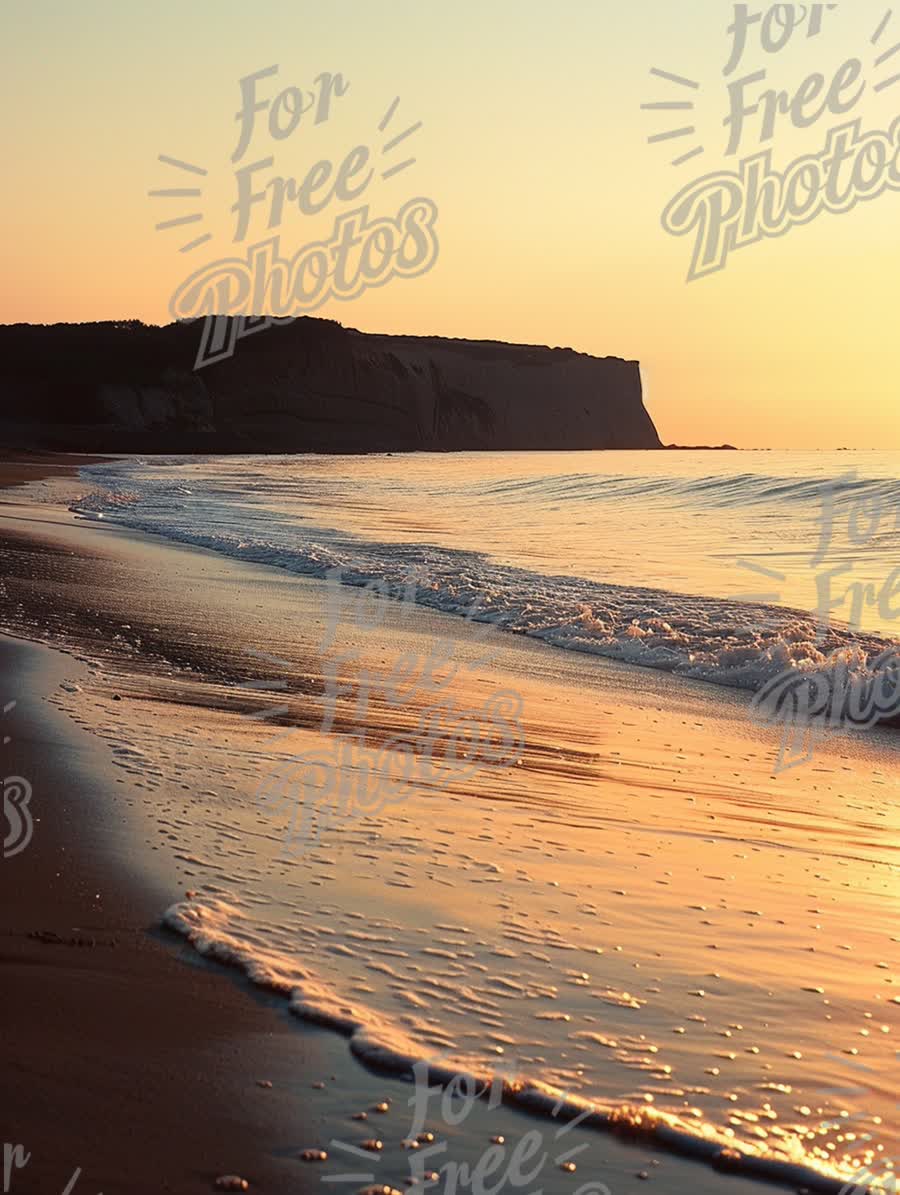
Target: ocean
(720,566)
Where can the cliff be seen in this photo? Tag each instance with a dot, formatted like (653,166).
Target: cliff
(310,386)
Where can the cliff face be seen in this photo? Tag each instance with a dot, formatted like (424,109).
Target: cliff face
(310,386)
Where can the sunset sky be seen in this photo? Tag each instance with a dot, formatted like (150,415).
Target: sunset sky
(534,148)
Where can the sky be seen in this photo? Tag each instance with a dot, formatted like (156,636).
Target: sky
(531,141)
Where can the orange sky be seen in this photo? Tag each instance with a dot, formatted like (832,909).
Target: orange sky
(534,148)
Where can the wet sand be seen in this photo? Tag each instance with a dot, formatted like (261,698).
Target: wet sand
(119,1058)
(21,467)
(171,628)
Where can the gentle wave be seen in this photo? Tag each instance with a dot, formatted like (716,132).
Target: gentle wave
(209,927)
(743,645)
(716,489)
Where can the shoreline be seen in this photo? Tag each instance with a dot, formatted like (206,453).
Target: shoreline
(106,1007)
(221,1017)
(105,1011)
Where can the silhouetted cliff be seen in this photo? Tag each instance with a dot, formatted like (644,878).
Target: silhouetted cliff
(309,386)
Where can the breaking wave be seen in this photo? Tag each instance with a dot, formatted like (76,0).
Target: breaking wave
(722,641)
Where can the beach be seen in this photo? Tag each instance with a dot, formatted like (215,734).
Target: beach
(450,600)
(591,907)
